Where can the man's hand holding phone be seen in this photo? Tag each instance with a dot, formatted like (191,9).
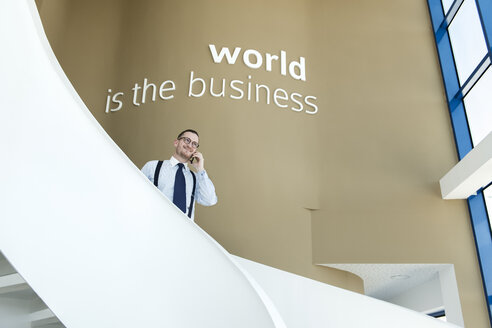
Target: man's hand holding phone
(197,161)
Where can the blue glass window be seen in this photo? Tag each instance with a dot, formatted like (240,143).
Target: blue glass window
(462,30)
(467,39)
(446,4)
(487,194)
(478,106)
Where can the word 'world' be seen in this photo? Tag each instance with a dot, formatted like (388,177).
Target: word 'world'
(254,59)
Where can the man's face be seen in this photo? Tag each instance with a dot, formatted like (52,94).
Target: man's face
(183,149)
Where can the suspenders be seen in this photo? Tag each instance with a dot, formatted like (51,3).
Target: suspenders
(156,174)
(156,183)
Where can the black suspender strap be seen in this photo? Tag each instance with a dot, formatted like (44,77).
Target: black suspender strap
(192,194)
(156,174)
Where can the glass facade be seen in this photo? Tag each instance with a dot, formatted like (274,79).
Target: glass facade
(467,39)
(446,4)
(487,193)
(478,106)
(463,35)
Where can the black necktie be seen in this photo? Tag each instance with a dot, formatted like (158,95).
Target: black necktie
(179,196)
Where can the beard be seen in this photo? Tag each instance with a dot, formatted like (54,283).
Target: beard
(184,153)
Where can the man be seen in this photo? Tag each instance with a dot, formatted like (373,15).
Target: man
(177,181)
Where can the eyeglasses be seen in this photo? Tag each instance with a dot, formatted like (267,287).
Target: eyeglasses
(187,141)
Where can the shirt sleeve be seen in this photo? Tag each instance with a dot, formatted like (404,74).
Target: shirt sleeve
(205,190)
(149,170)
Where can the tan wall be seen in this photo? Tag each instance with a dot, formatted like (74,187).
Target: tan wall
(355,183)
(86,43)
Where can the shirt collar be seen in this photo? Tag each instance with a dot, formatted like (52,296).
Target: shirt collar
(175,162)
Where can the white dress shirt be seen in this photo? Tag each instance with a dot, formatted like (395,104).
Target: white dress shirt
(205,190)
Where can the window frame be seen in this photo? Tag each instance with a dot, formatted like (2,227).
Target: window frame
(461,131)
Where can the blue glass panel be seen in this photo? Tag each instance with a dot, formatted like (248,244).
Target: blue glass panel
(478,105)
(467,39)
(446,4)
(485,11)
(483,241)
(487,194)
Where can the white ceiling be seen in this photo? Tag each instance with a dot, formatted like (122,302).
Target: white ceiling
(377,277)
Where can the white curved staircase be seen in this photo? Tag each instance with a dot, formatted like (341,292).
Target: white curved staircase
(100,245)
